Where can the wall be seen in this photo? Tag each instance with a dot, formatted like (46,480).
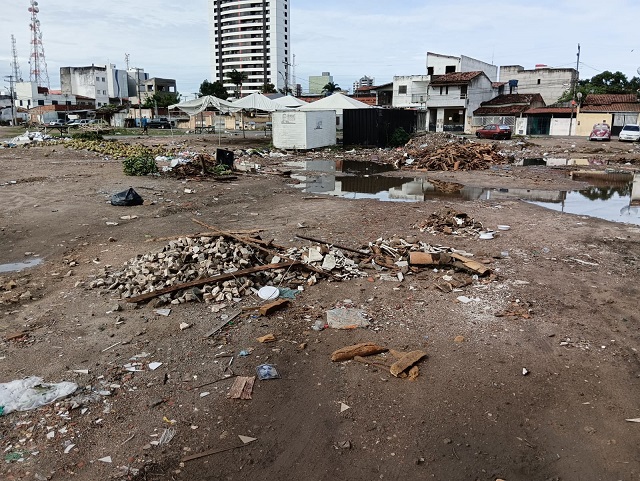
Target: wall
(86,81)
(304,130)
(586,121)
(439,63)
(468,64)
(117,83)
(552,82)
(560,126)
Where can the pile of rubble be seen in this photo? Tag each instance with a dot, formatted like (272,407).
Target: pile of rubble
(455,156)
(190,259)
(27,138)
(451,222)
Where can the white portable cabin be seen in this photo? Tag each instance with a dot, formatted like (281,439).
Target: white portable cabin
(304,130)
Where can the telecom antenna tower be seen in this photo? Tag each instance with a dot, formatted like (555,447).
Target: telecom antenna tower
(38,72)
(15,66)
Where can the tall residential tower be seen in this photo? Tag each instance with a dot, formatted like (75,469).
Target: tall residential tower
(253,37)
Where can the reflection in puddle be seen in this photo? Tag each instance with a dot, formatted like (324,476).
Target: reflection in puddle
(19,266)
(612,197)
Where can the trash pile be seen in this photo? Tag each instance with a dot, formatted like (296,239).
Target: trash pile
(190,164)
(451,222)
(27,138)
(241,270)
(403,256)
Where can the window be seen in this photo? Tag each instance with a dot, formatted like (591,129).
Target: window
(463,92)
(538,81)
(103,79)
(54,102)
(450,69)
(97,79)
(402,89)
(429,70)
(99,104)
(441,90)
(21,103)
(40,102)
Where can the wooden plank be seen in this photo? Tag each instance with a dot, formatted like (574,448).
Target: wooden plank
(406,361)
(209,280)
(272,307)
(427,259)
(361,350)
(472,265)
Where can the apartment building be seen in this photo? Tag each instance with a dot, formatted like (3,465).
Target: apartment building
(253,37)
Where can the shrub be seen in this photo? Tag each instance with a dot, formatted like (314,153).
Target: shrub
(141,165)
(399,138)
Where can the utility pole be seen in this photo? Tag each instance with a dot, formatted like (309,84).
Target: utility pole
(286,76)
(573,95)
(575,83)
(13,100)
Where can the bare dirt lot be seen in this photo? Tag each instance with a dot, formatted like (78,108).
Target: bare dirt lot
(533,379)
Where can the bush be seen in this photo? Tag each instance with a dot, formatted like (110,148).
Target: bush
(89,135)
(399,138)
(141,165)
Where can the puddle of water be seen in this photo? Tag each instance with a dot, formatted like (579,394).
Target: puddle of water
(613,197)
(19,266)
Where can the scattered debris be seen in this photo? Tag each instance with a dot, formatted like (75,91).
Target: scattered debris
(270,308)
(267,338)
(347,318)
(344,407)
(450,222)
(242,387)
(406,362)
(31,393)
(363,349)
(267,371)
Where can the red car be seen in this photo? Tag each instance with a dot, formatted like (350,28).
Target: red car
(494,131)
(600,132)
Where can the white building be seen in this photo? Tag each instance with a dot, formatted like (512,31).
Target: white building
(412,91)
(91,82)
(253,37)
(29,95)
(365,81)
(549,82)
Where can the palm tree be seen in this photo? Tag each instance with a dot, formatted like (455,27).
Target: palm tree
(236,79)
(330,88)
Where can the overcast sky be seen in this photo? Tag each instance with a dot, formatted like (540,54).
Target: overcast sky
(349,39)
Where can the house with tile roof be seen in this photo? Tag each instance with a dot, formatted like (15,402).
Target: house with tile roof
(613,109)
(453,97)
(507,109)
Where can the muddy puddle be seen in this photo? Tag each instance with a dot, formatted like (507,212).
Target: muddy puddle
(20,266)
(611,196)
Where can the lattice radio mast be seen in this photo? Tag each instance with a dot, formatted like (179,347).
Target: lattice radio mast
(15,66)
(38,72)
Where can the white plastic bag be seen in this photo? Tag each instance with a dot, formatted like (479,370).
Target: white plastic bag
(31,393)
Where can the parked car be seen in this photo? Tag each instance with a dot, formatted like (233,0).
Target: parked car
(56,123)
(494,131)
(630,132)
(600,132)
(79,122)
(161,123)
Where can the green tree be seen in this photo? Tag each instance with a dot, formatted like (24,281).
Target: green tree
(331,88)
(237,78)
(216,89)
(161,99)
(604,83)
(268,88)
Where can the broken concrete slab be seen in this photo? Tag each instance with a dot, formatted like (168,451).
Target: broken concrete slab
(348,318)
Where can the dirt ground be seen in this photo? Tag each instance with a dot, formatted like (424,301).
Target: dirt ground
(471,414)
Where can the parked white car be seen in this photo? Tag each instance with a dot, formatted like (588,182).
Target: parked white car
(630,132)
